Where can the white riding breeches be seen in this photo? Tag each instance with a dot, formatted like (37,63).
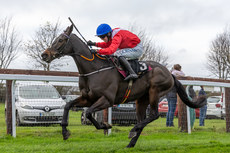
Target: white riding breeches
(130,53)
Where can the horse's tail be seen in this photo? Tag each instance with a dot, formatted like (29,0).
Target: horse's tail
(201,101)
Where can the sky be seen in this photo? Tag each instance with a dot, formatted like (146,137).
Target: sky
(183,28)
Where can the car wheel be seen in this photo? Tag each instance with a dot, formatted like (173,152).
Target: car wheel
(82,119)
(222,116)
(18,122)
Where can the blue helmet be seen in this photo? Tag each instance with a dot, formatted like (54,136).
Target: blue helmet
(103,29)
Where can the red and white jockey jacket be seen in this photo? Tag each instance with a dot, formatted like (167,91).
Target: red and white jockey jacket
(120,39)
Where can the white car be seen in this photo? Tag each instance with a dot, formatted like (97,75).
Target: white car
(38,104)
(69,98)
(214,107)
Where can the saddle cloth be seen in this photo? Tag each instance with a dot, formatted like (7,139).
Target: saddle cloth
(139,67)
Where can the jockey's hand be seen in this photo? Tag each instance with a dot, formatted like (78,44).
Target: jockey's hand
(90,43)
(93,51)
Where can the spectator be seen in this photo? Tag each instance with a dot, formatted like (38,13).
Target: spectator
(172,97)
(202,109)
(192,95)
(176,70)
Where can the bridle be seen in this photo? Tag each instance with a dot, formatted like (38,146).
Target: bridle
(59,52)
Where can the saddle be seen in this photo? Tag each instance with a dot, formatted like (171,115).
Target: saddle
(139,67)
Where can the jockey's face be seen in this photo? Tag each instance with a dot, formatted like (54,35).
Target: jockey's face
(105,39)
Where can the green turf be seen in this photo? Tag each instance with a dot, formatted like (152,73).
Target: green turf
(86,139)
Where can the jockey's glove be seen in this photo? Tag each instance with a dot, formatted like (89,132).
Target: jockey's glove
(90,43)
(93,51)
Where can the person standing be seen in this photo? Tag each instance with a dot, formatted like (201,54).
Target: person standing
(192,95)
(172,97)
(202,109)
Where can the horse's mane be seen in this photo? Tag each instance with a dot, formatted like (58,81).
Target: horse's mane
(104,59)
(81,41)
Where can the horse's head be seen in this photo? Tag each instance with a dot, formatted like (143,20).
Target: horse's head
(59,47)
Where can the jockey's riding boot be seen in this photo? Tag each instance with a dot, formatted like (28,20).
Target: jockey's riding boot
(132,75)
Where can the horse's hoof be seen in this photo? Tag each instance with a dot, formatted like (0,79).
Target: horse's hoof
(106,126)
(132,134)
(130,146)
(66,134)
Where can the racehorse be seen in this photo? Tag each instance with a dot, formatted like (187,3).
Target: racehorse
(102,86)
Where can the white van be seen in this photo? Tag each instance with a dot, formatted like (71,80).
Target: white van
(38,104)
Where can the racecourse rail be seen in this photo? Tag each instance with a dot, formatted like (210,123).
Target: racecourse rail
(13,75)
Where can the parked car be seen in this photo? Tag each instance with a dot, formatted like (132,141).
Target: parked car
(163,109)
(223,112)
(214,107)
(38,104)
(122,114)
(68,98)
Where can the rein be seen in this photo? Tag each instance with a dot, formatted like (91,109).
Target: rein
(88,59)
(82,56)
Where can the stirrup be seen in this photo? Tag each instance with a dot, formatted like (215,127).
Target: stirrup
(131,77)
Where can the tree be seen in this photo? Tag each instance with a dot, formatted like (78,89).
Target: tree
(151,50)
(218,60)
(42,39)
(9,43)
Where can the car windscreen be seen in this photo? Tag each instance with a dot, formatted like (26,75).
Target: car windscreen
(38,92)
(213,100)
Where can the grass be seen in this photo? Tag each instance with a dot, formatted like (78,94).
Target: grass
(155,138)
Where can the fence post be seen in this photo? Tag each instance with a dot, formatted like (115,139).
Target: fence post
(13,108)
(109,119)
(105,118)
(182,115)
(227,108)
(8,107)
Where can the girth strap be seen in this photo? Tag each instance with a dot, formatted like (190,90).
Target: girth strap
(97,71)
(128,90)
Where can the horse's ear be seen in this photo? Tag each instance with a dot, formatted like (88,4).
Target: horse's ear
(69,29)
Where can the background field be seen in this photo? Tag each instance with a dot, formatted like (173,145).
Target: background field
(86,139)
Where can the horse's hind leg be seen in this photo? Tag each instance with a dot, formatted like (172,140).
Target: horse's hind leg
(136,131)
(141,105)
(79,102)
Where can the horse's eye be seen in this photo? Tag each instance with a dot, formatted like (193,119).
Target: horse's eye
(60,40)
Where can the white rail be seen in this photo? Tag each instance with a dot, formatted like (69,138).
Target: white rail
(38,78)
(19,77)
(205,83)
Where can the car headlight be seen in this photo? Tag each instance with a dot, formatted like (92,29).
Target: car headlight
(26,106)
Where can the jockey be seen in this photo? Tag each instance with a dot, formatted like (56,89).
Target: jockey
(119,42)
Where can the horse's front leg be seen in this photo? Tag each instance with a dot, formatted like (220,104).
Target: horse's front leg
(79,102)
(100,104)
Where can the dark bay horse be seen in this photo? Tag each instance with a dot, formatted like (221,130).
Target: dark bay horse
(102,85)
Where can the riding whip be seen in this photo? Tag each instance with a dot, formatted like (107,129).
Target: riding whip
(77,29)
